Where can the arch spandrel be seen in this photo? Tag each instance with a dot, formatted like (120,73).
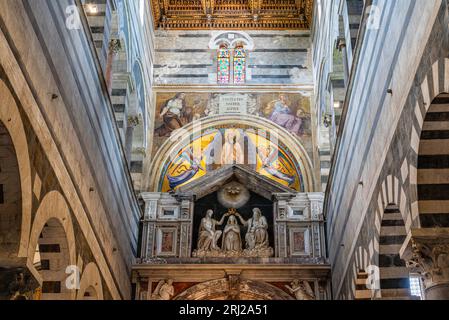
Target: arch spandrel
(289,146)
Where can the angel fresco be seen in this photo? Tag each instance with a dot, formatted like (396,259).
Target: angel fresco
(186,172)
(230,147)
(269,157)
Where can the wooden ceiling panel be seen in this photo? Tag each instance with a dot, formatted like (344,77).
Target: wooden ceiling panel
(232,14)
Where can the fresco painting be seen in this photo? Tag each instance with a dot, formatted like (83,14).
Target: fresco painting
(290,111)
(231,146)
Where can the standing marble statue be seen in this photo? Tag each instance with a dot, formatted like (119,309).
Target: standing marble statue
(257,234)
(208,235)
(302,290)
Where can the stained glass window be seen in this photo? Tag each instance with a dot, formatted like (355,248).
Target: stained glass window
(224,65)
(239,65)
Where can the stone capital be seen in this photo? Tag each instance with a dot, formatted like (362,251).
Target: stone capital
(115,45)
(341,43)
(426,251)
(134,121)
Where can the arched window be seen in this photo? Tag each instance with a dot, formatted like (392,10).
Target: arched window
(231,56)
(224,65)
(239,65)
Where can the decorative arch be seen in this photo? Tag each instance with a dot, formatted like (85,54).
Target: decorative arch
(10,117)
(231,39)
(433,165)
(53,216)
(91,287)
(426,132)
(124,27)
(219,290)
(392,223)
(360,275)
(184,136)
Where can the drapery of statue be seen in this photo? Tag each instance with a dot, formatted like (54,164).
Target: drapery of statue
(256,238)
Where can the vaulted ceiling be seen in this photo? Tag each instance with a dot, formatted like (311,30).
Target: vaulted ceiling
(232,14)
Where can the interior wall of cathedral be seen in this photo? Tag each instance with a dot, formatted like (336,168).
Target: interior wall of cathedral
(390,149)
(277,63)
(74,213)
(95,191)
(275,57)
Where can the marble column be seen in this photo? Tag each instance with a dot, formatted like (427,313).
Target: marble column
(342,47)
(114,48)
(426,252)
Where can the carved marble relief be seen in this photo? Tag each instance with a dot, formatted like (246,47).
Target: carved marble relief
(295,229)
(256,238)
(301,290)
(164,290)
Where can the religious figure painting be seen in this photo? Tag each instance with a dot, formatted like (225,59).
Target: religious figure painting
(290,111)
(299,242)
(174,115)
(167,241)
(174,111)
(235,146)
(281,112)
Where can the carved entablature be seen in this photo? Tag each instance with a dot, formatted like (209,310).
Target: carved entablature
(233,234)
(232,14)
(234,213)
(426,252)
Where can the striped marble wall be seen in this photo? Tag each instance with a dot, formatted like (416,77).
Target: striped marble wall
(73,111)
(394,276)
(278,57)
(355,11)
(433,165)
(97,12)
(390,93)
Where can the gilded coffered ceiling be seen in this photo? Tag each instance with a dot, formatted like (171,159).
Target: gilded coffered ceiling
(232,14)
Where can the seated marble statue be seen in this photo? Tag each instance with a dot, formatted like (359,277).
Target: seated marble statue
(232,241)
(208,235)
(257,234)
